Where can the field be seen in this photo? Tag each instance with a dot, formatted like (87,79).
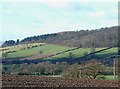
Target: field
(80,52)
(46,49)
(37,81)
(28,51)
(42,51)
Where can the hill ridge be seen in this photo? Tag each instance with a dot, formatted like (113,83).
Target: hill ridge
(103,37)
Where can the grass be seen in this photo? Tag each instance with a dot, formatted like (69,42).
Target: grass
(109,77)
(47,49)
(51,75)
(80,52)
(52,49)
(109,52)
(18,47)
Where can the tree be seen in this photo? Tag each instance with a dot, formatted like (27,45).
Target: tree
(40,51)
(92,69)
(92,51)
(17,41)
(4,55)
(8,43)
(71,71)
(71,55)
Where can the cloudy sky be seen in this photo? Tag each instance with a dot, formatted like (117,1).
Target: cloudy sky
(22,19)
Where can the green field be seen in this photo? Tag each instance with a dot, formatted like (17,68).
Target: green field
(80,52)
(53,49)
(47,49)
(109,77)
(109,52)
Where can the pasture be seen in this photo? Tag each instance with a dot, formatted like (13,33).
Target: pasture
(29,52)
(37,49)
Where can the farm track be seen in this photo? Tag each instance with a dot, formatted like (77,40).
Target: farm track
(37,81)
(36,57)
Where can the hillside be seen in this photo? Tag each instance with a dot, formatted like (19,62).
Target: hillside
(30,50)
(37,52)
(104,37)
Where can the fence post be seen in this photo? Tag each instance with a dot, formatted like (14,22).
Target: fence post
(114,68)
(80,73)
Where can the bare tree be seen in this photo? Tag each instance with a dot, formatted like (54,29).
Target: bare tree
(92,69)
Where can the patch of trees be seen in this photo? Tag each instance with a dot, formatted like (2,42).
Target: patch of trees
(43,68)
(10,43)
(104,37)
(37,38)
(30,47)
(85,69)
(91,69)
(4,49)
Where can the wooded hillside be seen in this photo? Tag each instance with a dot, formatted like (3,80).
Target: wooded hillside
(103,37)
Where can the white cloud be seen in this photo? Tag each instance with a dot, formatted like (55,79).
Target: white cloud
(98,13)
(116,11)
(57,4)
(31,19)
(59,1)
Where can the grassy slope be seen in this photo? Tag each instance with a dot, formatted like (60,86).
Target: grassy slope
(108,52)
(80,52)
(51,49)
(47,49)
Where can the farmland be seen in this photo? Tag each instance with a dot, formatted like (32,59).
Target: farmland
(52,52)
(59,44)
(80,52)
(37,81)
(46,48)
(26,51)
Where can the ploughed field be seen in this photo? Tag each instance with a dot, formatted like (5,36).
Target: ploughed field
(38,81)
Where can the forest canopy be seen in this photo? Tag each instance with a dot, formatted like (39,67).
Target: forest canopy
(103,37)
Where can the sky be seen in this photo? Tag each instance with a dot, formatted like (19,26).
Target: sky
(31,18)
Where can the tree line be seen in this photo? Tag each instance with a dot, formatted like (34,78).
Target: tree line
(91,69)
(103,37)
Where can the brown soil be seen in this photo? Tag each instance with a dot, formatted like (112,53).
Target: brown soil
(37,57)
(37,81)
